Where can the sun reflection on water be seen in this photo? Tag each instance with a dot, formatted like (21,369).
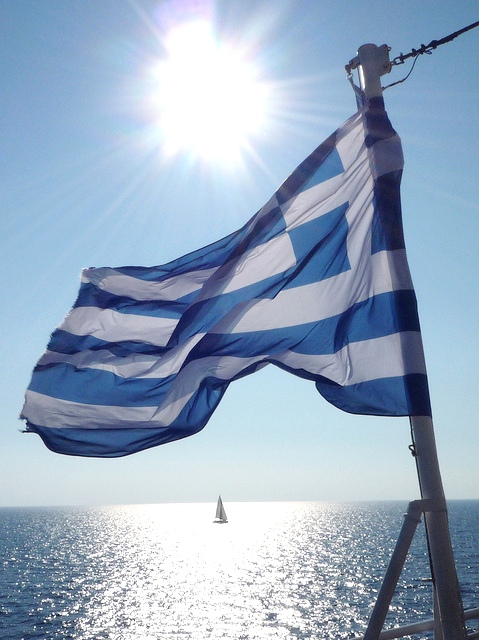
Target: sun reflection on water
(273,572)
(276,570)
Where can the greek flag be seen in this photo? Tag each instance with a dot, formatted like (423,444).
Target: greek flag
(316,283)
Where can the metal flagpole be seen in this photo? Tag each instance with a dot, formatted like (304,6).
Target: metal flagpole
(373,63)
(443,567)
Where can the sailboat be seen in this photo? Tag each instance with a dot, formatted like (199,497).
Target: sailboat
(220,517)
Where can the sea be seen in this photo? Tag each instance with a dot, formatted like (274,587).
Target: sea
(276,570)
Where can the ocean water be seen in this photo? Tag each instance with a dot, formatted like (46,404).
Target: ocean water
(161,572)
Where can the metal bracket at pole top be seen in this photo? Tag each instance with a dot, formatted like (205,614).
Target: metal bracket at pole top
(372,62)
(355,62)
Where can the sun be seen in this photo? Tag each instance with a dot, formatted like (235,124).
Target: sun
(206,99)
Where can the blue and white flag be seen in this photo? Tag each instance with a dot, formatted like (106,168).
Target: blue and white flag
(317,283)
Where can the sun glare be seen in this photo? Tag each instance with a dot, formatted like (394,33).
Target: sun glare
(207,99)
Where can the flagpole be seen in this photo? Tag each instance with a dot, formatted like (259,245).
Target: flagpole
(373,63)
(443,567)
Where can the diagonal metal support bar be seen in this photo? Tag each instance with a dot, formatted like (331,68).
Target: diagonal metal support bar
(411,520)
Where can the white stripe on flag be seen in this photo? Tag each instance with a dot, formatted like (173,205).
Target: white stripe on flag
(120,284)
(363,361)
(112,326)
(64,414)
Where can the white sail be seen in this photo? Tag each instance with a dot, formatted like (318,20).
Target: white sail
(220,517)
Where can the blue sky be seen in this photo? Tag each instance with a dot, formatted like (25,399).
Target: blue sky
(85,182)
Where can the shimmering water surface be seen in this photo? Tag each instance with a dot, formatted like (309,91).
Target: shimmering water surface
(160,572)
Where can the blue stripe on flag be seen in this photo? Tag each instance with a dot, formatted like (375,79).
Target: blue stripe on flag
(68,343)
(386,229)
(106,443)
(398,396)
(378,127)
(92,296)
(92,386)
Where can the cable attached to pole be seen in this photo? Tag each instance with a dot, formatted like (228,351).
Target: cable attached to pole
(429,48)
